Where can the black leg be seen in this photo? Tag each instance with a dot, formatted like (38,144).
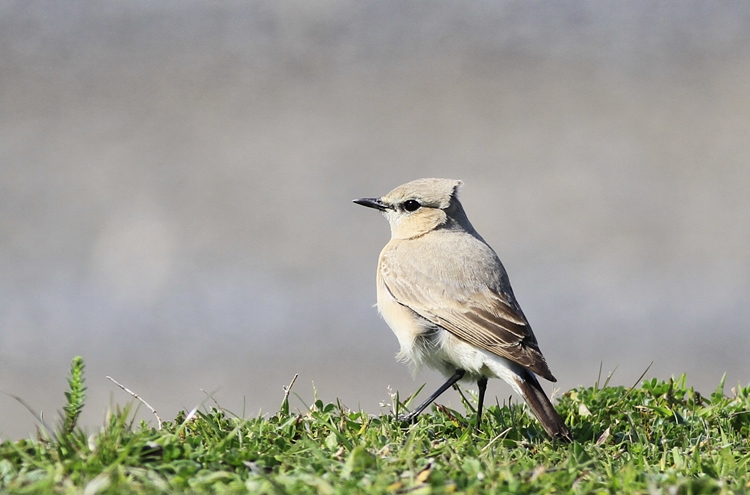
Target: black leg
(482,384)
(445,386)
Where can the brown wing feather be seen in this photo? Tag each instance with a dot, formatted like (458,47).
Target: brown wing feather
(489,319)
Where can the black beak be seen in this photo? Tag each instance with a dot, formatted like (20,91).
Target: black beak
(372,203)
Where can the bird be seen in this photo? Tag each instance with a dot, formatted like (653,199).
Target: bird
(447,297)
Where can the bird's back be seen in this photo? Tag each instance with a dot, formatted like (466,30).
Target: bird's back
(453,279)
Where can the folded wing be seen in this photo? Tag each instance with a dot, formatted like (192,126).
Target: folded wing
(485,316)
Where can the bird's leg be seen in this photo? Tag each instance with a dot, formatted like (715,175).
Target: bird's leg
(445,386)
(482,384)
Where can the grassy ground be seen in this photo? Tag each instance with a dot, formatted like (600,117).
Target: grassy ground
(662,437)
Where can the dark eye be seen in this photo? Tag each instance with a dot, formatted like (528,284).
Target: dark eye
(411,205)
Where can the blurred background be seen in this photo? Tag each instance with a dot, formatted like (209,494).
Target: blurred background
(176,181)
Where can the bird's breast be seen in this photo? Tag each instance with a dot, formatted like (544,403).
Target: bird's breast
(404,322)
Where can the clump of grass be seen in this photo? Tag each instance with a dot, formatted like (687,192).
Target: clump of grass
(661,437)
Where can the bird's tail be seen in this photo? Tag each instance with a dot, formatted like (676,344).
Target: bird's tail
(540,405)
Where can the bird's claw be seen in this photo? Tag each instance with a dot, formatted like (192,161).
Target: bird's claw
(407,418)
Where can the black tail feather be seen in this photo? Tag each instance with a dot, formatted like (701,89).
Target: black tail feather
(541,406)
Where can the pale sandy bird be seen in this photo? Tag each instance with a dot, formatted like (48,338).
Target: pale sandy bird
(446,296)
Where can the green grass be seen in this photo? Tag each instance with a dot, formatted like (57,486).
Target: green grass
(662,437)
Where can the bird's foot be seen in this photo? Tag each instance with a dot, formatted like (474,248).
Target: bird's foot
(407,418)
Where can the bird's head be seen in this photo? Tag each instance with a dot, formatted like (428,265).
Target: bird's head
(420,206)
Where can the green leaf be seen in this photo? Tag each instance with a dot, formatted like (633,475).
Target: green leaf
(359,460)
